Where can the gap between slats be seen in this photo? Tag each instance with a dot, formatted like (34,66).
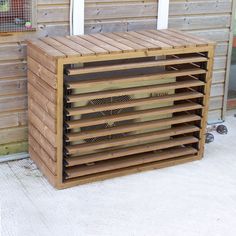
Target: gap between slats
(129,79)
(135,150)
(133,103)
(133,127)
(96,69)
(136,90)
(132,150)
(133,115)
(132,139)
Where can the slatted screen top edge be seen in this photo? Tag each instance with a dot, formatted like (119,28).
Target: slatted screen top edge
(106,105)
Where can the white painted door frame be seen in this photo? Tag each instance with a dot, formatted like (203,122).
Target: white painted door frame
(77,16)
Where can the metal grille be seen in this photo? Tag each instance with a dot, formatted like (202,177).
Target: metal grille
(109,100)
(16,15)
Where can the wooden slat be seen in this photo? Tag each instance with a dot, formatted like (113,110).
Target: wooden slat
(125,41)
(42,128)
(42,57)
(156,42)
(76,47)
(13,103)
(42,86)
(132,139)
(60,47)
(128,162)
(176,42)
(41,165)
(42,141)
(12,135)
(133,103)
(42,72)
(165,62)
(129,79)
(96,49)
(114,43)
(138,90)
(179,38)
(106,46)
(133,115)
(184,38)
(46,48)
(44,102)
(162,38)
(146,44)
(13,119)
(133,150)
(197,40)
(43,154)
(133,127)
(42,114)
(129,170)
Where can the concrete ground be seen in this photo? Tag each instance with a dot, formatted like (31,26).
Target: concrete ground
(194,199)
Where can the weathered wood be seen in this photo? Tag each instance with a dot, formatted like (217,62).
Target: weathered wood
(11,69)
(12,51)
(13,119)
(13,147)
(13,135)
(216,103)
(13,102)
(217,90)
(13,86)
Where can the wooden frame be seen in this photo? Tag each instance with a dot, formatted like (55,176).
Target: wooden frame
(47,59)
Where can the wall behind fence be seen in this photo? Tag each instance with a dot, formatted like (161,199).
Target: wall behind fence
(210,19)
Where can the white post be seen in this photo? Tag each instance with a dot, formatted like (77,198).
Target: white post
(163,14)
(77,17)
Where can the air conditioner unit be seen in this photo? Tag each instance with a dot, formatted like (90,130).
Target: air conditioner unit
(115,105)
